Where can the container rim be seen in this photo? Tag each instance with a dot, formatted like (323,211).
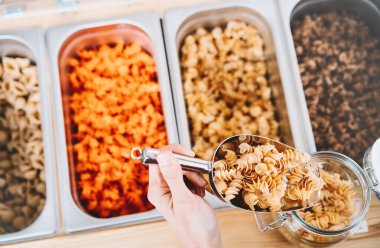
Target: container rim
(36,229)
(232,6)
(85,26)
(126,23)
(22,42)
(364,181)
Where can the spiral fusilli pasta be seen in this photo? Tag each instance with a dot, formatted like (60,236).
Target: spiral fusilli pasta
(261,177)
(336,206)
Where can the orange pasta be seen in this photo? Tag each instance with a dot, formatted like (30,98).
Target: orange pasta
(115,106)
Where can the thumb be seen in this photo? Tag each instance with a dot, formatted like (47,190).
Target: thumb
(172,172)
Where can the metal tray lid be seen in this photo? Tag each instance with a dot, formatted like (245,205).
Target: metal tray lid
(372,166)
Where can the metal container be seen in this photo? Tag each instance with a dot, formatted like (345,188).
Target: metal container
(30,44)
(63,42)
(291,9)
(180,22)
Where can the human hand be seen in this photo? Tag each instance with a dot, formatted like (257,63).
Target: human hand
(187,212)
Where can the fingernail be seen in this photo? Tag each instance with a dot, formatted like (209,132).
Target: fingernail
(202,181)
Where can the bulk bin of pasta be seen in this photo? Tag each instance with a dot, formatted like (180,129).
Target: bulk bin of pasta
(113,86)
(337,46)
(225,74)
(27,185)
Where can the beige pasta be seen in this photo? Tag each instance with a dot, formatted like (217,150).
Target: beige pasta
(233,189)
(261,177)
(251,199)
(336,207)
(225,84)
(22,170)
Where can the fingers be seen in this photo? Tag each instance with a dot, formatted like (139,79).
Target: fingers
(200,191)
(177,148)
(172,172)
(196,178)
(198,181)
(157,185)
(155,176)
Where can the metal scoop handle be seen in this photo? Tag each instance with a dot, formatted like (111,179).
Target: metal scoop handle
(148,156)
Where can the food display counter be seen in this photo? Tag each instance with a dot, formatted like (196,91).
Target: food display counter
(97,78)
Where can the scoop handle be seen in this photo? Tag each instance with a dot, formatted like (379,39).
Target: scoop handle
(148,156)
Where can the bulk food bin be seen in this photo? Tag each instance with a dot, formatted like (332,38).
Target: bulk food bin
(63,43)
(29,44)
(367,11)
(180,22)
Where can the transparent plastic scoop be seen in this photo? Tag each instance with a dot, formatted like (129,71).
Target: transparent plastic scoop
(148,157)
